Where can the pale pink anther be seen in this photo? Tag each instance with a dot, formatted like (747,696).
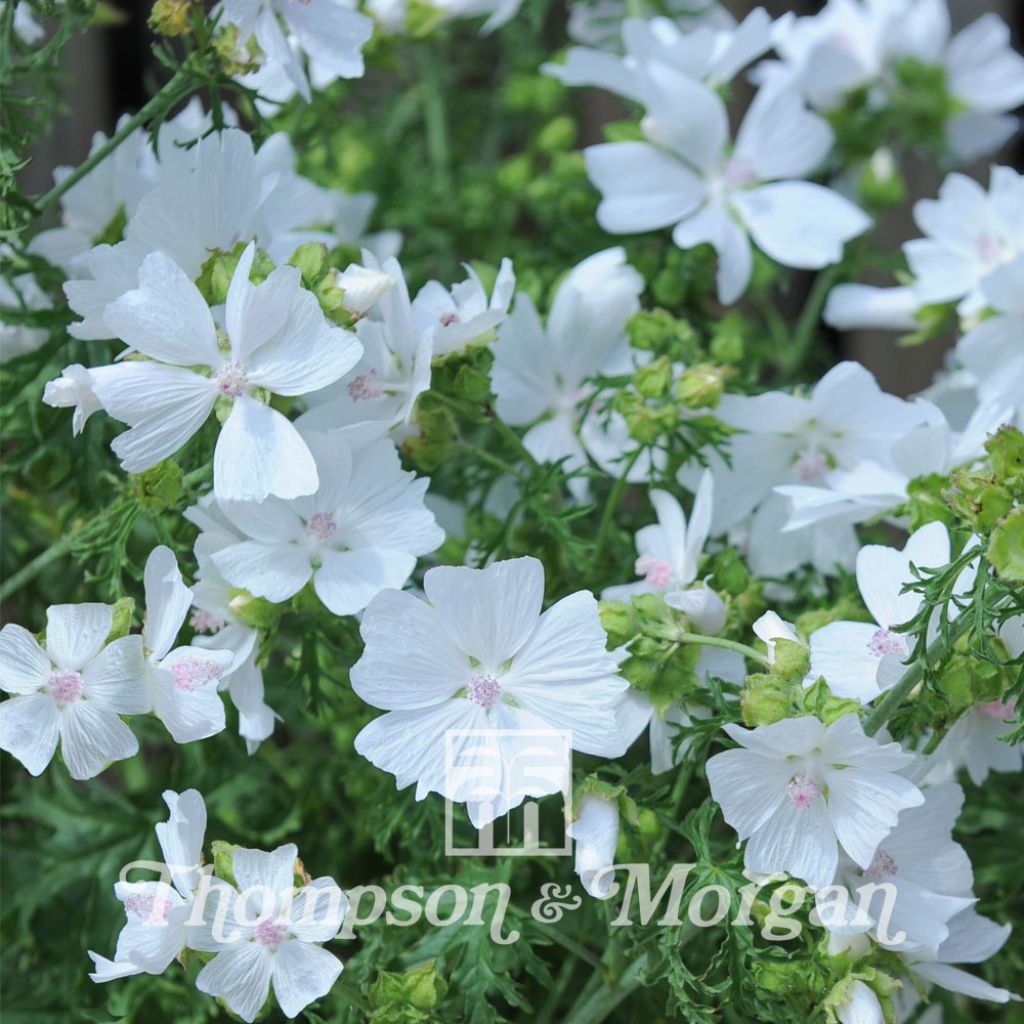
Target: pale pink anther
(191,673)
(811,465)
(885,641)
(151,909)
(484,690)
(803,791)
(447,319)
(203,621)
(271,933)
(990,248)
(321,526)
(739,172)
(67,686)
(365,387)
(881,865)
(656,571)
(999,710)
(232,381)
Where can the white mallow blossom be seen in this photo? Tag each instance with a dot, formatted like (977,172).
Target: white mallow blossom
(73,390)
(709,53)
(540,370)
(667,556)
(797,439)
(687,176)
(331,33)
(798,790)
(360,533)
(864,659)
(972,940)
(157,914)
(929,873)
(276,341)
(474,680)
(968,233)
(182,681)
(270,935)
(72,692)
(595,831)
(993,351)
(853,44)
(860,1006)
(221,193)
(463,314)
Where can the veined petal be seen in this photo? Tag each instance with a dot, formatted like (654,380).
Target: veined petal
(240,975)
(167,601)
(114,679)
(302,973)
(348,581)
(24,666)
(29,729)
(274,571)
(75,633)
(91,737)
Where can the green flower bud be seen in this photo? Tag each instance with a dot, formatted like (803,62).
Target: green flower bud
(124,612)
(730,572)
(311,260)
(766,699)
(558,134)
(619,621)
(927,503)
(792,660)
(223,860)
(819,701)
(653,380)
(1006,450)
(1006,547)
(161,488)
(700,387)
(170,17)
(255,612)
(881,183)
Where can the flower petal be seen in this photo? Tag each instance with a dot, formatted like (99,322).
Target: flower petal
(29,729)
(75,633)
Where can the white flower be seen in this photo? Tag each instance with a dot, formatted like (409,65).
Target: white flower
(157,913)
(596,833)
(362,287)
(793,439)
(798,790)
(976,742)
(686,176)
(73,390)
(182,682)
(972,940)
(271,936)
(481,656)
(278,341)
(540,371)
(930,875)
(360,533)
(26,28)
(852,307)
(21,294)
(463,315)
(75,691)
(706,52)
(864,659)
(331,32)
(771,627)
(667,557)
(861,1006)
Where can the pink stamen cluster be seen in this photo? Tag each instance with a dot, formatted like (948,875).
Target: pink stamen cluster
(884,641)
(152,909)
(191,673)
(232,381)
(271,933)
(447,319)
(484,690)
(881,865)
(657,572)
(67,686)
(367,386)
(811,465)
(803,791)
(990,248)
(999,710)
(321,526)
(739,172)
(203,621)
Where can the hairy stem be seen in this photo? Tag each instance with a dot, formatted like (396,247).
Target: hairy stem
(726,645)
(29,572)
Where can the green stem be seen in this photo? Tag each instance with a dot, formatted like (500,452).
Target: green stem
(436,122)
(27,573)
(937,652)
(795,355)
(608,515)
(603,1002)
(174,90)
(570,945)
(726,645)
(513,439)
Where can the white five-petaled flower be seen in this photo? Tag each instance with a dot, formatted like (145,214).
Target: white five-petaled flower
(157,913)
(269,933)
(864,659)
(182,682)
(595,832)
(685,176)
(540,371)
(797,790)
(278,341)
(667,557)
(479,655)
(360,533)
(73,692)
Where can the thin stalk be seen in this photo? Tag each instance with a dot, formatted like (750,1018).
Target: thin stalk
(726,645)
(596,1007)
(570,945)
(608,515)
(795,356)
(29,572)
(174,90)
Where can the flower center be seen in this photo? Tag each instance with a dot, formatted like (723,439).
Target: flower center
(881,865)
(66,686)
(811,465)
(803,791)
(153,909)
(367,386)
(191,673)
(271,933)
(885,641)
(990,248)
(321,526)
(447,319)
(205,622)
(739,173)
(657,572)
(232,381)
(999,710)
(484,690)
